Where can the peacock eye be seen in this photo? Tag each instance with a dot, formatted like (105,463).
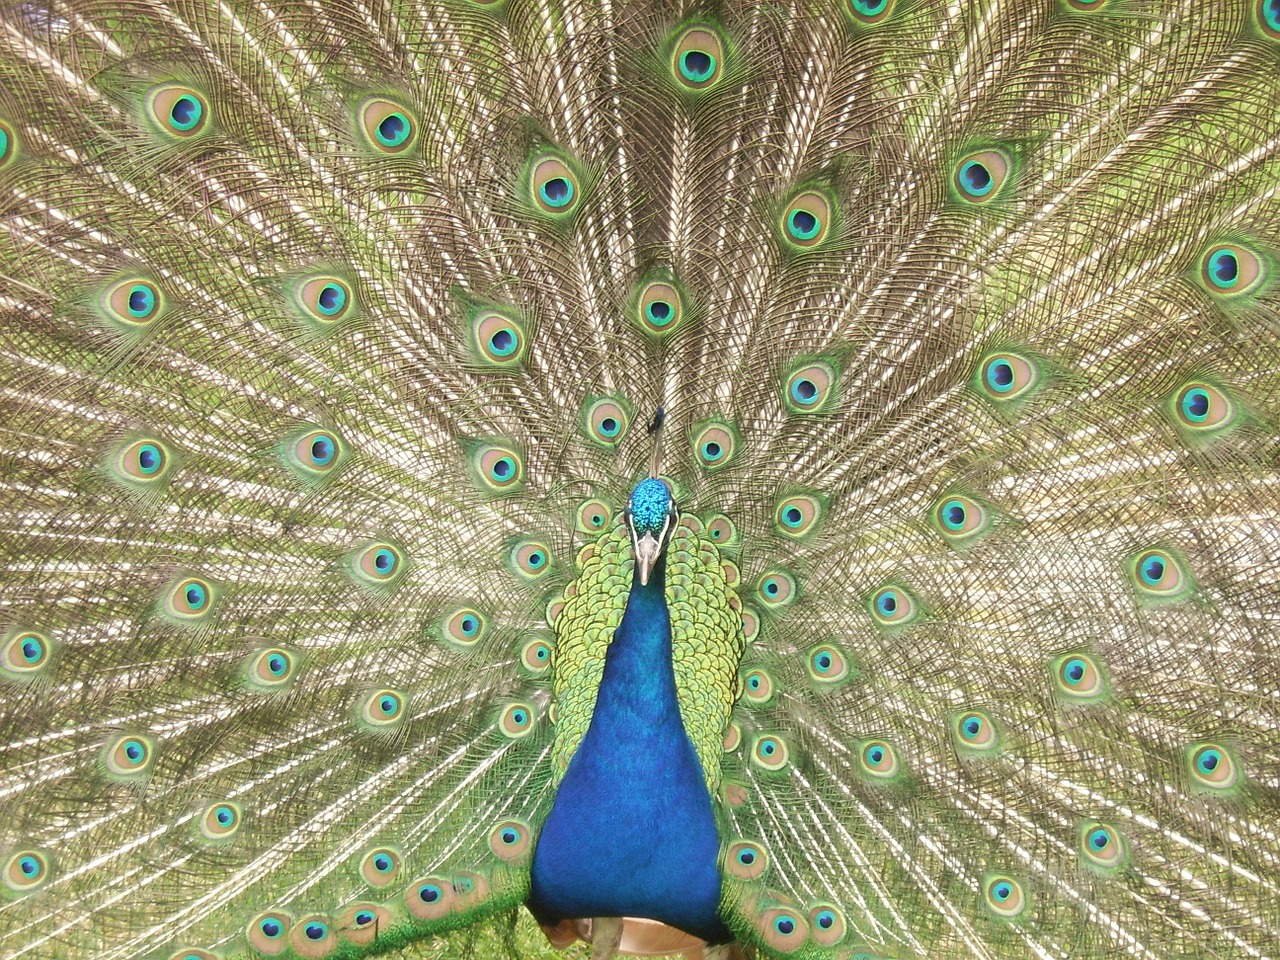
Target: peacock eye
(980,176)
(389,127)
(697,59)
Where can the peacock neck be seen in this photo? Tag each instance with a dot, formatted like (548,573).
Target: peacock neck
(632,831)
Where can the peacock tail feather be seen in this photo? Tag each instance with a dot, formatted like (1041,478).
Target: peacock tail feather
(801,477)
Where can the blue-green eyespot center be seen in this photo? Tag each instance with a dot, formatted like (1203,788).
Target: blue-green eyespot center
(195,595)
(32,649)
(1269,12)
(803,225)
(869,8)
(323,450)
(504,342)
(185,112)
(331,299)
(150,459)
(975,179)
(953,515)
(316,930)
(1223,269)
(697,65)
(1152,568)
(784,925)
(1000,375)
(142,301)
(271,928)
(134,751)
(556,192)
(394,129)
(1207,761)
(659,312)
(1194,403)
(1002,891)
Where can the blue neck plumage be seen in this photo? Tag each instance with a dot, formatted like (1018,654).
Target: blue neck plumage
(632,831)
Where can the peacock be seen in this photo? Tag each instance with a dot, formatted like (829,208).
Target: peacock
(714,478)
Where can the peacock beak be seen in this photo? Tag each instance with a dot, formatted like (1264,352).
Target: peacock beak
(647,549)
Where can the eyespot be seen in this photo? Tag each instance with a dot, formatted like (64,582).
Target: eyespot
(325,300)
(714,445)
(377,566)
(133,304)
(1078,677)
(142,464)
(797,516)
(383,708)
(827,925)
(465,627)
(750,624)
(893,607)
(1007,376)
(129,757)
(555,188)
(380,866)
(732,737)
(1004,896)
(1268,14)
(593,516)
(8,144)
(769,752)
(516,720)
(530,559)
(979,176)
(827,665)
(189,600)
(606,422)
(1202,408)
(178,111)
(697,59)
(313,455)
(659,307)
(388,127)
(362,922)
(193,954)
(745,860)
(961,520)
(499,468)
(806,220)
(879,760)
(757,687)
(1159,576)
(1229,270)
(1212,766)
(26,870)
(268,932)
(974,732)
(24,655)
(271,668)
(499,339)
(430,898)
(1101,847)
(809,388)
(722,531)
(221,821)
(510,840)
(869,11)
(776,590)
(535,656)
(313,937)
(782,929)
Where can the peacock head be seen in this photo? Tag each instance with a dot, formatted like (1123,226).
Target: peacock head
(651,515)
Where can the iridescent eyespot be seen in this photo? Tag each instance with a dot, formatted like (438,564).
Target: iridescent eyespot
(554,187)
(535,656)
(697,58)
(606,422)
(272,668)
(1268,14)
(26,870)
(380,866)
(133,304)
(783,929)
(1200,409)
(362,922)
(465,627)
(383,708)
(377,566)
(325,300)
(430,898)
(827,924)
(1101,848)
(499,468)
(498,338)
(529,559)
(714,445)
(659,307)
(868,11)
(1004,896)
(776,589)
(1079,677)
(806,220)
(798,516)
(732,737)
(979,176)
(721,531)
(961,520)
(128,757)
(24,654)
(744,860)
(516,720)
(1158,576)
(750,624)
(809,388)
(221,821)
(313,455)
(1007,376)
(1212,767)
(178,111)
(769,752)
(878,760)
(8,144)
(268,933)
(510,840)
(757,687)
(388,127)
(974,732)
(593,516)
(893,607)
(189,600)
(1230,270)
(826,664)
(312,937)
